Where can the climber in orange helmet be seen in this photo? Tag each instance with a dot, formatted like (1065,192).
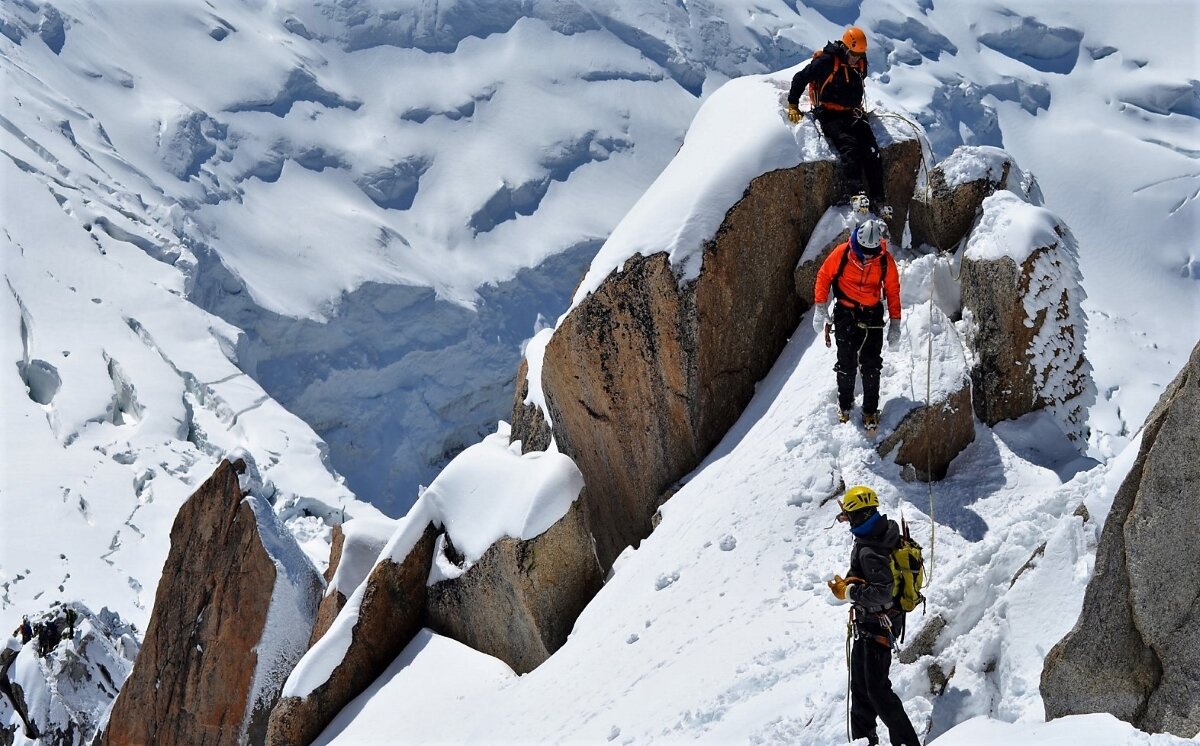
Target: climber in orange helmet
(834,80)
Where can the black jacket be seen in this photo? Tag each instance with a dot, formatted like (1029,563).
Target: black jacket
(844,89)
(871,560)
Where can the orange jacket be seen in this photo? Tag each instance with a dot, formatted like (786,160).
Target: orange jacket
(861,282)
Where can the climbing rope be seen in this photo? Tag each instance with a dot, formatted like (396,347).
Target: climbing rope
(849,636)
(926,146)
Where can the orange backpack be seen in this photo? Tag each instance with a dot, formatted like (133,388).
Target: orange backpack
(814,93)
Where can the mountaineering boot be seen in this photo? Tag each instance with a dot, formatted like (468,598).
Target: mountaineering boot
(843,415)
(860,204)
(871,421)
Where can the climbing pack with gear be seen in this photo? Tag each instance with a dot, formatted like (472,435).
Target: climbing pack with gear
(845,69)
(908,571)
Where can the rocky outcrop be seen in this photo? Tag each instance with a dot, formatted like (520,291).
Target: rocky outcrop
(334,600)
(380,619)
(355,547)
(805,274)
(1027,321)
(232,614)
(1133,652)
(930,436)
(519,602)
(528,421)
(643,377)
(941,215)
(58,678)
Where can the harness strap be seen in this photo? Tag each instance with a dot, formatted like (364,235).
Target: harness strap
(840,294)
(814,93)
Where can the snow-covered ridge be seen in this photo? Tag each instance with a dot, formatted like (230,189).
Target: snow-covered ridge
(979,76)
(739,133)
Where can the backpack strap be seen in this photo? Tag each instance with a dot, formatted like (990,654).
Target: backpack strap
(837,276)
(815,91)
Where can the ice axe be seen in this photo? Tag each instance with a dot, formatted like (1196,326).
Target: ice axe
(828,331)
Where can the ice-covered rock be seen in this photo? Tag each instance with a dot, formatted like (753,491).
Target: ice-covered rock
(1022,296)
(60,673)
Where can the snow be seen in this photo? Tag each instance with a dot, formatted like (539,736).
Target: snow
(449,669)
(205,208)
(364,540)
(974,164)
(491,491)
(1011,227)
(291,613)
(1100,729)
(535,354)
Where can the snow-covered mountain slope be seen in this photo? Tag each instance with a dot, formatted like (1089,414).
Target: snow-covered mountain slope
(233,225)
(390,170)
(719,627)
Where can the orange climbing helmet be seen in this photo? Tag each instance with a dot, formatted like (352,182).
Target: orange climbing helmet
(855,40)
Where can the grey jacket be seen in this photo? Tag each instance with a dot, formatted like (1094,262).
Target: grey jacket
(871,560)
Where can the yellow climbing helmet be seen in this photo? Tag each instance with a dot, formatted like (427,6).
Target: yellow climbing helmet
(859,497)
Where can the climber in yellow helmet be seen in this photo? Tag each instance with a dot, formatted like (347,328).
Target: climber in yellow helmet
(877,621)
(834,79)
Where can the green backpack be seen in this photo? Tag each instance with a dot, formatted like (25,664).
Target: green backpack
(908,571)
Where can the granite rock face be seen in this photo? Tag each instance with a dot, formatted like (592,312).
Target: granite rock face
(334,600)
(519,602)
(645,376)
(528,421)
(231,617)
(930,436)
(388,616)
(1132,652)
(941,215)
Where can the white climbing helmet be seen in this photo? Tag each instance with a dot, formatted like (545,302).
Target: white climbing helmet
(871,233)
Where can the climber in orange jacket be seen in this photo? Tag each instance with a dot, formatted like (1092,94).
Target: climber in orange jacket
(862,274)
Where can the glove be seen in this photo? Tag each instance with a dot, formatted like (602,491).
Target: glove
(893,334)
(794,114)
(838,586)
(820,317)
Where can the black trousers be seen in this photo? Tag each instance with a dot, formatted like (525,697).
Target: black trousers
(871,695)
(852,138)
(859,335)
